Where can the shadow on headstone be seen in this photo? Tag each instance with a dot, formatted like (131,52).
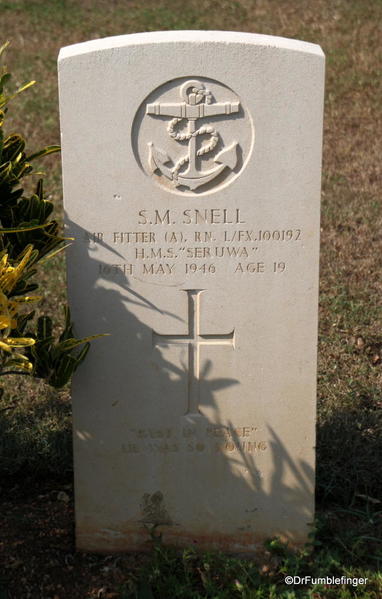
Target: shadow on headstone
(230,475)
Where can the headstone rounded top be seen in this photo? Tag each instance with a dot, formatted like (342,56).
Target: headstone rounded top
(191,170)
(189,36)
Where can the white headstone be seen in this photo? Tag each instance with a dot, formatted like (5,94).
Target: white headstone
(191,164)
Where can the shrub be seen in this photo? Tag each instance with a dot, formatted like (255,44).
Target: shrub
(27,237)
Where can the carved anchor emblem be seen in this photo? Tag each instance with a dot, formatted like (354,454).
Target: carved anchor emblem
(197,104)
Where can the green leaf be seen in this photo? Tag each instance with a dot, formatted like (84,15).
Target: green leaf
(4,80)
(4,47)
(5,99)
(61,249)
(63,371)
(22,321)
(22,229)
(80,357)
(41,359)
(23,289)
(44,152)
(70,344)
(44,328)
(67,333)
(13,147)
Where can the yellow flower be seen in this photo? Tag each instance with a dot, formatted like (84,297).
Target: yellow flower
(16,359)
(8,313)
(8,342)
(25,366)
(9,275)
(9,309)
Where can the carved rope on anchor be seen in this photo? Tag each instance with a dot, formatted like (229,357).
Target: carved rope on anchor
(204,130)
(195,105)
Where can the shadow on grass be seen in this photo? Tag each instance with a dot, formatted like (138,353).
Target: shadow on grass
(349,450)
(35,434)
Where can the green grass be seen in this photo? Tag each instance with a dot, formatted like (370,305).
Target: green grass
(191,575)
(35,438)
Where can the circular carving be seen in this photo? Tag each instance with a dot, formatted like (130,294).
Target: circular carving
(192,136)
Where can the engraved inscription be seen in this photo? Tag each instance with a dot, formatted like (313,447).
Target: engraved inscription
(194,340)
(196,216)
(162,249)
(211,439)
